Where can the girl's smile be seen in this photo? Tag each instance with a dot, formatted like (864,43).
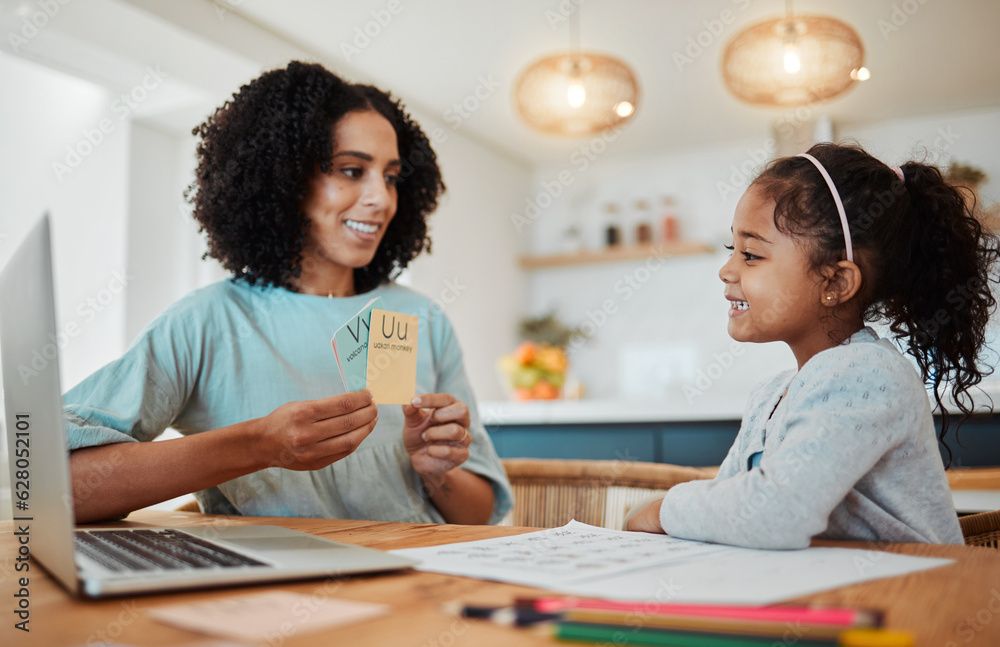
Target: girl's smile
(737,308)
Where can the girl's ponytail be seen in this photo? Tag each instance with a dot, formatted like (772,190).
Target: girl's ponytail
(939,299)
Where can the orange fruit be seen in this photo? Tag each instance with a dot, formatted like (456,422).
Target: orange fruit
(551,358)
(525,353)
(545,391)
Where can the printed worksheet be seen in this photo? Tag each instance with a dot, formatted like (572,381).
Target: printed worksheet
(572,553)
(612,564)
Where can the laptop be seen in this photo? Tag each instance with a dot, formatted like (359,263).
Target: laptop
(98,562)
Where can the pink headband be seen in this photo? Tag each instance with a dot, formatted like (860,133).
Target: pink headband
(840,205)
(899,172)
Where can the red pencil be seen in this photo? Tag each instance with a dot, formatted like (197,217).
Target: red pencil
(822,616)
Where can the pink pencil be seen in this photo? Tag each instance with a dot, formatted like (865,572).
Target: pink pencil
(825,616)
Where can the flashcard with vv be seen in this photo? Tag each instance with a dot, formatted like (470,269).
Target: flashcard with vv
(392,357)
(350,346)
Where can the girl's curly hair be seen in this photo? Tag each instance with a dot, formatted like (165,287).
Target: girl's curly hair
(257,153)
(926,261)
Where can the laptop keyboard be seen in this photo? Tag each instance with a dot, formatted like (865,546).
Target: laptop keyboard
(152,550)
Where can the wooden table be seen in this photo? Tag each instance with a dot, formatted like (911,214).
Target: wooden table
(952,606)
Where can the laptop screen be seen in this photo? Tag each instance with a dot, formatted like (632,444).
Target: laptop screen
(36,437)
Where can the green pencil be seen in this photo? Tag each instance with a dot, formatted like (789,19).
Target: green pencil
(620,635)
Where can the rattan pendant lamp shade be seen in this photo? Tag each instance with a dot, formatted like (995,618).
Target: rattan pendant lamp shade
(543,93)
(576,93)
(793,61)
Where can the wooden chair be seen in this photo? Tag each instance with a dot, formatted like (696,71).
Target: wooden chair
(549,492)
(981,529)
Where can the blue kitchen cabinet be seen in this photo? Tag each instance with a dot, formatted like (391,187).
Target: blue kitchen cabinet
(695,443)
(690,443)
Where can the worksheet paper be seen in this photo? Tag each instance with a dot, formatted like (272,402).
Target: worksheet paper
(597,562)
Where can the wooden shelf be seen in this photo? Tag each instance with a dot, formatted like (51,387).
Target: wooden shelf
(617,253)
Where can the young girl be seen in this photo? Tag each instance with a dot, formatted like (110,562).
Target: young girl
(844,447)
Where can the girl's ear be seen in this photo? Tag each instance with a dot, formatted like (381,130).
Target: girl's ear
(840,283)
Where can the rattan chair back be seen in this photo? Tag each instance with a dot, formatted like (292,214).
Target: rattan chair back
(550,492)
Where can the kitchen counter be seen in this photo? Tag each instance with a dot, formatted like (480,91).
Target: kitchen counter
(540,412)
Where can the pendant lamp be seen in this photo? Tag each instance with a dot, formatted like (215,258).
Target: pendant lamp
(794,60)
(576,93)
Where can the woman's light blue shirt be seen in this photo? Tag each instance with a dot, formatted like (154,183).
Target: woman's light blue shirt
(232,352)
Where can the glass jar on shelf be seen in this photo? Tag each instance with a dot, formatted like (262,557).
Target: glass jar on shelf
(612,225)
(669,220)
(643,223)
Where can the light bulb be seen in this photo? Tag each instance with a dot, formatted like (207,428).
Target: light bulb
(576,94)
(624,108)
(861,74)
(792,63)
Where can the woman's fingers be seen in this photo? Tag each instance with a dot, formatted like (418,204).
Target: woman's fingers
(339,405)
(452,434)
(456,455)
(345,423)
(445,408)
(342,445)
(455,412)
(433,400)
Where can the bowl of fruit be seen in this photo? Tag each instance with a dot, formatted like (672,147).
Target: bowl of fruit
(535,371)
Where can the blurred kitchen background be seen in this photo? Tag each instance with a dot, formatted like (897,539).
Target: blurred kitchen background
(99,98)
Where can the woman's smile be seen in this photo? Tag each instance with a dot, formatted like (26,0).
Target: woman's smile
(364,231)
(351,206)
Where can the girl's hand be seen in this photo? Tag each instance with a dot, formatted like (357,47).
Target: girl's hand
(312,434)
(647,519)
(436,433)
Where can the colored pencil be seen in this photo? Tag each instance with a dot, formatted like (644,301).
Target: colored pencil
(617,635)
(701,624)
(830,616)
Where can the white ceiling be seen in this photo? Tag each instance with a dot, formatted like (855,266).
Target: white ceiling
(941,57)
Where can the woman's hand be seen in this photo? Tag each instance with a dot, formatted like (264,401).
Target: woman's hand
(647,519)
(312,434)
(436,434)
(113,480)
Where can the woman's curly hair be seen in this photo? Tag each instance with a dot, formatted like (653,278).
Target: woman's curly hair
(926,261)
(257,153)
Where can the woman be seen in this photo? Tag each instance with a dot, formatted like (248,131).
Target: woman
(314,193)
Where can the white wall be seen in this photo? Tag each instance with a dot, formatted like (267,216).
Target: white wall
(43,113)
(668,327)
(164,246)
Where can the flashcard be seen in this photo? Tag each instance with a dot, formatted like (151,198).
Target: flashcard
(350,347)
(392,357)
(260,616)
